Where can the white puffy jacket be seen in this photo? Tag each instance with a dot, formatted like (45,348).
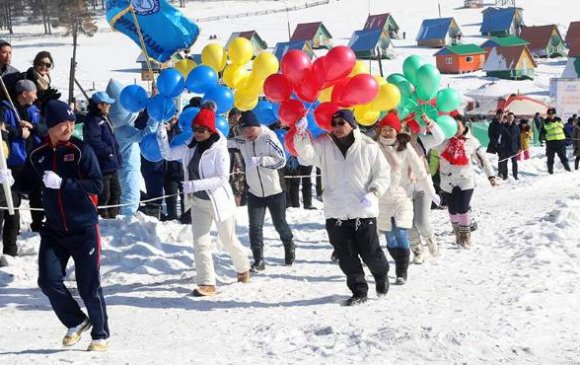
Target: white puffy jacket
(463,176)
(214,171)
(346,179)
(397,202)
(263,180)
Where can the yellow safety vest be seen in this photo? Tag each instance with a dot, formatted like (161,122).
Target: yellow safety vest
(554,131)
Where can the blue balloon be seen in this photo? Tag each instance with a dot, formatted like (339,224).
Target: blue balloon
(160,108)
(281,134)
(222,125)
(201,79)
(222,96)
(170,83)
(313,127)
(276,110)
(133,98)
(264,112)
(311,106)
(181,139)
(186,118)
(150,148)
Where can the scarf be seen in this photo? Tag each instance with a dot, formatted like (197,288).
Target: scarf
(42,82)
(455,152)
(388,147)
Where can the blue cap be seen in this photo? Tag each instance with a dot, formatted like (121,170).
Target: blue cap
(57,112)
(102,97)
(347,115)
(249,119)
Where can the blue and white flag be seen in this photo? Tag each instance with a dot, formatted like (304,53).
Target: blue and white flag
(164,28)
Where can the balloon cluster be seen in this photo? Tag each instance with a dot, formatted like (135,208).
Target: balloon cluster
(420,94)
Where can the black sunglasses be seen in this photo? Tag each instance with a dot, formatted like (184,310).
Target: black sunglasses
(45,64)
(337,122)
(200,129)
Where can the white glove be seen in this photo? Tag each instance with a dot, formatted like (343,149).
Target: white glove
(253,162)
(301,126)
(190,187)
(369,201)
(51,180)
(6,175)
(436,199)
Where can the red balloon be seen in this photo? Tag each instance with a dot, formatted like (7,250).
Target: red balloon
(317,72)
(360,89)
(295,64)
(337,91)
(289,142)
(309,88)
(323,115)
(277,88)
(291,111)
(338,64)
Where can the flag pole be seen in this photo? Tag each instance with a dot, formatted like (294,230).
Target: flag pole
(3,165)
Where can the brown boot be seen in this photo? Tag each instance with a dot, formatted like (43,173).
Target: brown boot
(456,232)
(244,277)
(204,291)
(464,237)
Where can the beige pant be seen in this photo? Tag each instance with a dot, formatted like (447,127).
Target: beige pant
(202,217)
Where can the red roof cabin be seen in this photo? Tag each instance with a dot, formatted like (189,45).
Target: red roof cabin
(314,33)
(545,41)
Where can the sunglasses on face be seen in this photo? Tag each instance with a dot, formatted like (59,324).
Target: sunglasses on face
(45,64)
(200,129)
(337,122)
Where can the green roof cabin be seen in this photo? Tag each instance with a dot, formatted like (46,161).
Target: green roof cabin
(314,33)
(385,22)
(460,59)
(510,63)
(253,37)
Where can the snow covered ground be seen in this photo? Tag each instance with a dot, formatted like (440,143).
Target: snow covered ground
(512,299)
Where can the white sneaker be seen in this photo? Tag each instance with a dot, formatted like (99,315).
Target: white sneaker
(73,335)
(418,258)
(433,246)
(99,345)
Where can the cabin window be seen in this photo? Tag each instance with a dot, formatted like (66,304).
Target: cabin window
(469,59)
(449,60)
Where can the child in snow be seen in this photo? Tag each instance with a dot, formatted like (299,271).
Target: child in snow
(458,178)
(396,205)
(526,134)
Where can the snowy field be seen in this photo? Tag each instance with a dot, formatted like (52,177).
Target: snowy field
(512,299)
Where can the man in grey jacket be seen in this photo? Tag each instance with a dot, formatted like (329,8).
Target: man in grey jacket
(8,73)
(263,155)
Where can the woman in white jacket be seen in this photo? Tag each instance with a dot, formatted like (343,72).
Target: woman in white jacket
(396,205)
(207,192)
(458,178)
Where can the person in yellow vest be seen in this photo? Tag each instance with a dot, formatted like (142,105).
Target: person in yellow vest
(555,136)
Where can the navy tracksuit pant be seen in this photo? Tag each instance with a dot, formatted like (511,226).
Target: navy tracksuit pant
(84,246)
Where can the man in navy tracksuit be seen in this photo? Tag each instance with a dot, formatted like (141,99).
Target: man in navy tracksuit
(72,180)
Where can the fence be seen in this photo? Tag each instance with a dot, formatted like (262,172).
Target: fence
(262,12)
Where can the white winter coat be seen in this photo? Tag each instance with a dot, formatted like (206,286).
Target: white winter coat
(214,171)
(463,176)
(263,180)
(428,142)
(346,179)
(397,202)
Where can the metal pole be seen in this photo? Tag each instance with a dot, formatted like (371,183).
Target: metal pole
(73,62)
(3,165)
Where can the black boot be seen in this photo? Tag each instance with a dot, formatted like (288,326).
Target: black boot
(289,253)
(259,264)
(382,286)
(401,257)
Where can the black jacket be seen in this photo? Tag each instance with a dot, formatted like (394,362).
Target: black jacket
(73,206)
(493,133)
(510,139)
(98,133)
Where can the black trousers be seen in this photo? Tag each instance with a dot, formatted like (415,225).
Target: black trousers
(276,205)
(10,226)
(353,238)
(111,195)
(503,165)
(559,148)
(293,186)
(459,201)
(172,187)
(318,182)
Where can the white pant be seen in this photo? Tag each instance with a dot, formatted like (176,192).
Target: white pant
(202,216)
(421,219)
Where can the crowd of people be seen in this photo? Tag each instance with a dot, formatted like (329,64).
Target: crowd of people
(379,181)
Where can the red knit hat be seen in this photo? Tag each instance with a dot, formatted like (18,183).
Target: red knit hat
(205,118)
(391,120)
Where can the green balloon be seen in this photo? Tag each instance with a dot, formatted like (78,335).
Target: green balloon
(447,124)
(410,67)
(479,131)
(403,112)
(428,80)
(448,100)
(428,110)
(395,78)
(405,88)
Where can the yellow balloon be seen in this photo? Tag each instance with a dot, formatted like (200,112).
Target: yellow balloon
(184,66)
(360,67)
(234,75)
(380,80)
(214,56)
(388,98)
(325,95)
(365,116)
(240,51)
(264,65)
(254,85)
(245,100)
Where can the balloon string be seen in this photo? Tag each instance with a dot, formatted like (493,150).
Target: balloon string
(143,48)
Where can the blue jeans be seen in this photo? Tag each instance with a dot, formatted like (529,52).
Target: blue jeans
(397,237)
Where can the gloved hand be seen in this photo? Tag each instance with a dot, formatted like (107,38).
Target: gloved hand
(190,187)
(492,181)
(369,201)
(51,180)
(253,162)
(436,199)
(6,175)
(301,126)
